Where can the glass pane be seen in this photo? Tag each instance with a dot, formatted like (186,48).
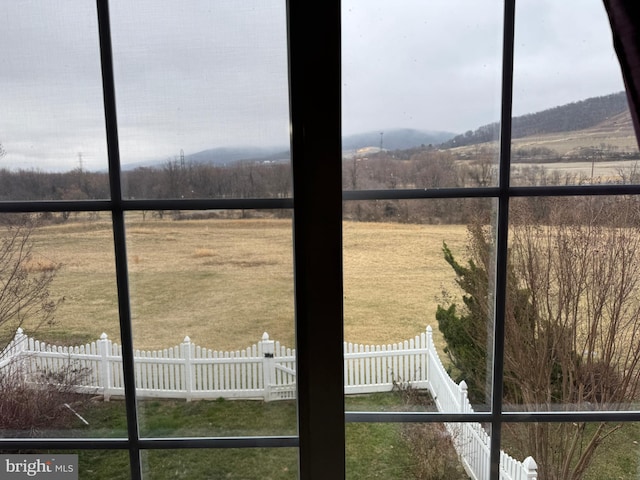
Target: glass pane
(410,108)
(51,94)
(573,306)
(212,305)
(202,95)
(82,464)
(244,463)
(610,450)
(406,318)
(572,123)
(59,306)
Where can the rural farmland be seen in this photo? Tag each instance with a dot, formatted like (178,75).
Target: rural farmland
(224,282)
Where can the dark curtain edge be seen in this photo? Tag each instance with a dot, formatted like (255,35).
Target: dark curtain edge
(624,17)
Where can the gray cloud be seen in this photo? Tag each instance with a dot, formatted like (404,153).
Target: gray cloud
(201,74)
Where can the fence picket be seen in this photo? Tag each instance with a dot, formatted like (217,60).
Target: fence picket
(367,367)
(216,373)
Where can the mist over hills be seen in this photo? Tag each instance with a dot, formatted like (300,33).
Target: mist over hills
(395,139)
(228,155)
(596,118)
(222,156)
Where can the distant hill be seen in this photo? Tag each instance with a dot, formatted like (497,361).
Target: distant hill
(614,137)
(574,116)
(222,156)
(396,139)
(228,155)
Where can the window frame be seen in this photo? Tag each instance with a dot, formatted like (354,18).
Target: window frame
(314,57)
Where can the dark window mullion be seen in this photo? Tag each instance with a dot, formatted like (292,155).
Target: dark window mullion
(502,238)
(314,82)
(119,237)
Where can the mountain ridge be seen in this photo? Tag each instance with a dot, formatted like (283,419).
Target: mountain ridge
(563,129)
(570,117)
(392,139)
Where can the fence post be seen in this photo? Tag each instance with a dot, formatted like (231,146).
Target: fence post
(15,352)
(463,396)
(20,341)
(188,367)
(268,365)
(462,427)
(104,376)
(530,468)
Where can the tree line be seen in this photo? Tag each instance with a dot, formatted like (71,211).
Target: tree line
(423,167)
(171,180)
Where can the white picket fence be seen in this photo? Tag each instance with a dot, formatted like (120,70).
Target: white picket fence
(470,440)
(265,370)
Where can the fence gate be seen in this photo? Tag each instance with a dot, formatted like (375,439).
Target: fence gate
(279,370)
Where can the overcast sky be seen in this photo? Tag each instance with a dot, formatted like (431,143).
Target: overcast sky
(202,74)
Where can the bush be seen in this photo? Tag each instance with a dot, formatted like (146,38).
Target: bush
(433,453)
(430,444)
(31,404)
(24,280)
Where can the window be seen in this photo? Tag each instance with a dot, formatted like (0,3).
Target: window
(311,41)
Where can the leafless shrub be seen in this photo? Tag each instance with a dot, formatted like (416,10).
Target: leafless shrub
(33,403)
(432,451)
(572,322)
(431,446)
(24,281)
(412,397)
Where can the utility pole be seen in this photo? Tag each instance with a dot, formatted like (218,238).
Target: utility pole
(80,165)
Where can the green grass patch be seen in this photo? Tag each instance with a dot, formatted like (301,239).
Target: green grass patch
(617,457)
(217,418)
(219,464)
(376,450)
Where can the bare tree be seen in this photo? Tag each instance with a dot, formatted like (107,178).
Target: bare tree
(32,398)
(572,326)
(583,275)
(24,282)
(482,169)
(629,175)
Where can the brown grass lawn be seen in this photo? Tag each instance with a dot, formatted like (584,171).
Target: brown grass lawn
(394,277)
(225,282)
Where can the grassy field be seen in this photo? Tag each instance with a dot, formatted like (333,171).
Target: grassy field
(602,171)
(225,282)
